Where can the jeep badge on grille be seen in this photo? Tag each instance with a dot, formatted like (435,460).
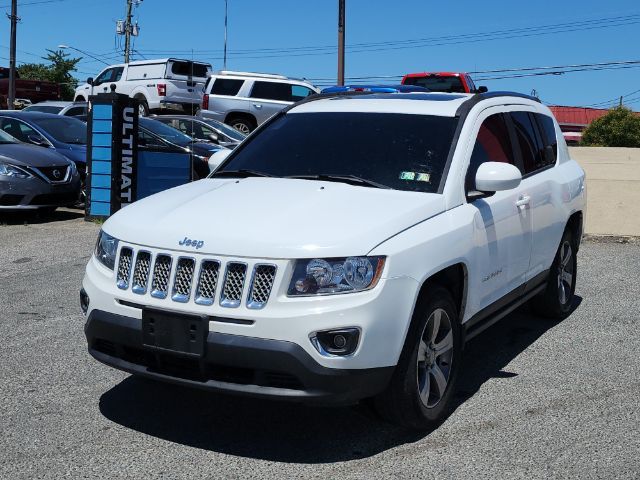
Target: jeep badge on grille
(187,242)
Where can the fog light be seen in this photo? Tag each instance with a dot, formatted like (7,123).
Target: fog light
(336,342)
(84,301)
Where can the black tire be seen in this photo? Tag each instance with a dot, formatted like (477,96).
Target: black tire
(80,99)
(143,107)
(556,301)
(401,402)
(242,124)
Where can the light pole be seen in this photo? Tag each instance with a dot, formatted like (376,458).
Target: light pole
(224,64)
(341,27)
(65,47)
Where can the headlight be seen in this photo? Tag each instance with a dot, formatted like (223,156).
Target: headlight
(13,172)
(335,275)
(74,169)
(106,248)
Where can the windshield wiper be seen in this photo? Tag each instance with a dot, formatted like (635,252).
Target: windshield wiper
(350,179)
(241,173)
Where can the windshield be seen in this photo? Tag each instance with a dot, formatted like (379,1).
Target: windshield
(400,151)
(166,132)
(437,84)
(43,109)
(6,138)
(64,129)
(230,132)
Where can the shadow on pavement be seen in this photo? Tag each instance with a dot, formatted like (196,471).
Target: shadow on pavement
(30,217)
(287,432)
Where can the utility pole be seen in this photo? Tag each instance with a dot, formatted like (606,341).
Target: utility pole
(12,56)
(341,41)
(224,64)
(620,101)
(127,31)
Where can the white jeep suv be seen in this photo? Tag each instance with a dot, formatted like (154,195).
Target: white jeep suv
(346,250)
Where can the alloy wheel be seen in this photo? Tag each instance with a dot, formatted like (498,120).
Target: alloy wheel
(565,273)
(435,355)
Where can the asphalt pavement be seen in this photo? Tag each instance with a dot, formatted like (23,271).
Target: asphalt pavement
(538,399)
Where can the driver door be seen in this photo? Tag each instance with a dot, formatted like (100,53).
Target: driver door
(502,225)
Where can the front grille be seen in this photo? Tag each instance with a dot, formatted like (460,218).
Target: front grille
(10,200)
(161,272)
(183,279)
(54,174)
(207,282)
(141,273)
(55,199)
(233,284)
(124,268)
(261,283)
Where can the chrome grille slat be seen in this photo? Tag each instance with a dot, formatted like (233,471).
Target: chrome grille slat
(161,272)
(141,272)
(124,268)
(183,279)
(233,286)
(207,282)
(261,284)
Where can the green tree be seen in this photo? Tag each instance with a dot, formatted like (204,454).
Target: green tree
(59,70)
(618,128)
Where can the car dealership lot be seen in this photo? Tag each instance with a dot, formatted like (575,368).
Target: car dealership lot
(537,399)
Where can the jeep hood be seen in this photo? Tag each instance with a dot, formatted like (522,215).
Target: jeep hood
(272,217)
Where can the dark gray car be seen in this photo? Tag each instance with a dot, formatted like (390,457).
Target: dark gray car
(35,178)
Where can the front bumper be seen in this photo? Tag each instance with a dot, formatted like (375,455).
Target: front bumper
(32,193)
(232,364)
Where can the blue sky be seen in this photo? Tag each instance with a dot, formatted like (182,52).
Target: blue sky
(436,36)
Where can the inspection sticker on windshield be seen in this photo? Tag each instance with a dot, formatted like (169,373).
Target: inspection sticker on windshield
(418,177)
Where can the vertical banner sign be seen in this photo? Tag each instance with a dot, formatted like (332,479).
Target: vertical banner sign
(112,154)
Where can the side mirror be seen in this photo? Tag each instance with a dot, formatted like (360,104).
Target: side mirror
(90,81)
(214,137)
(37,140)
(217,158)
(497,176)
(482,89)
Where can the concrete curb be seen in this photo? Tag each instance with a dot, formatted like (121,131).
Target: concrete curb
(594,238)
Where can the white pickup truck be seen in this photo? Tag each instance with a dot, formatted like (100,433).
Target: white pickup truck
(322,261)
(163,84)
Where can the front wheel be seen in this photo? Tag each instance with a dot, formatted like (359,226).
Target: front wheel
(420,393)
(557,299)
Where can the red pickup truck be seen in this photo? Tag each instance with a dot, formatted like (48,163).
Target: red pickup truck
(450,82)
(33,90)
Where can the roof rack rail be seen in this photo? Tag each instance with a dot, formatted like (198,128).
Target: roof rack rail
(252,74)
(478,97)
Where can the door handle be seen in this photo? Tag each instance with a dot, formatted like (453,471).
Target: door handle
(257,105)
(523,201)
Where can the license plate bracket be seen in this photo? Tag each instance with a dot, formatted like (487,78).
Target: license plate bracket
(174,332)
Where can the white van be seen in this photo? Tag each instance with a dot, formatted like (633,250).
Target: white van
(163,84)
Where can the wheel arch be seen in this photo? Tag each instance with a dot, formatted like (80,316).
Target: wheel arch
(240,114)
(453,278)
(575,225)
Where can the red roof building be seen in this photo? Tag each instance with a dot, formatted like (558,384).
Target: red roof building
(573,120)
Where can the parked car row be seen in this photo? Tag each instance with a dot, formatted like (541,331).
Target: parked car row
(43,151)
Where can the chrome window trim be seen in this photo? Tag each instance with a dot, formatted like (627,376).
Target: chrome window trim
(203,300)
(252,304)
(136,288)
(159,293)
(224,302)
(179,297)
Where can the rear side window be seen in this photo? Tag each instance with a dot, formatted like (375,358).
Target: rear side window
(189,69)
(272,91)
(550,140)
(529,142)
(493,144)
(226,86)
(298,92)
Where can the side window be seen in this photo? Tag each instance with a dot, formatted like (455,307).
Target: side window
(530,142)
(271,91)
(470,84)
(550,140)
(104,77)
(75,111)
(18,129)
(150,141)
(298,92)
(117,74)
(493,144)
(226,86)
